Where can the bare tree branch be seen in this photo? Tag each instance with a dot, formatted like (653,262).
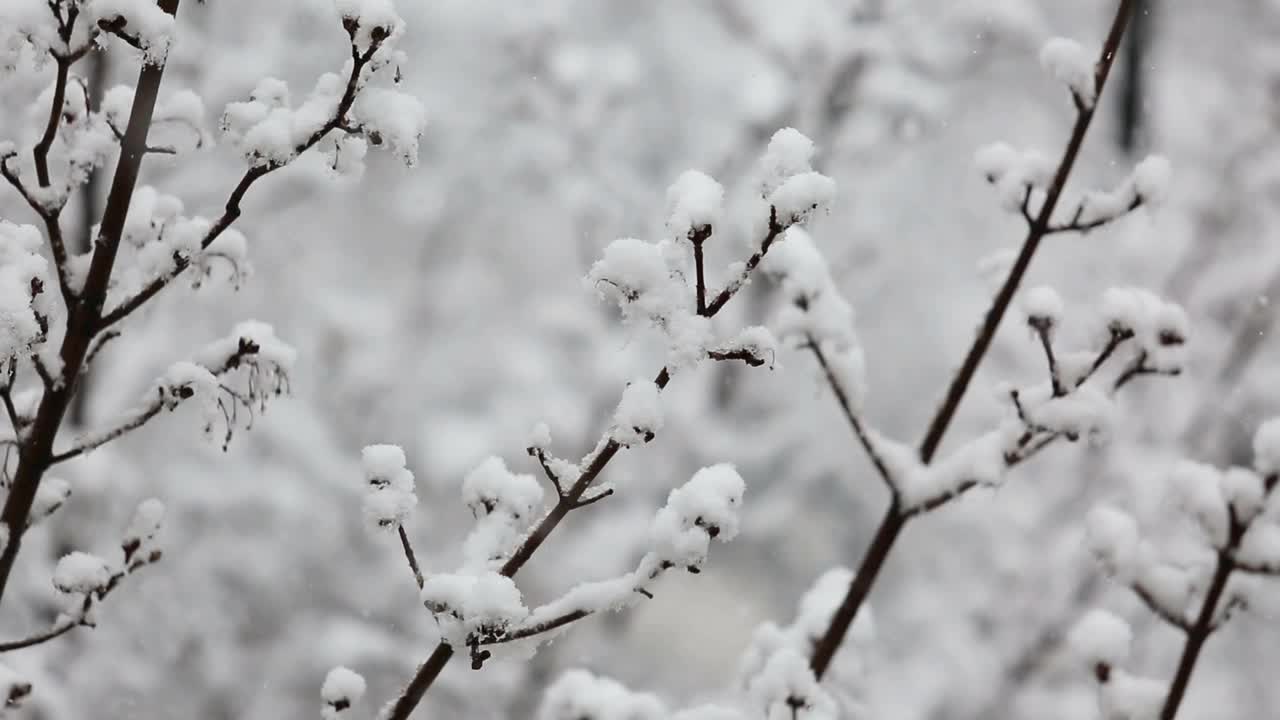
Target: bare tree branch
(84,316)
(894,519)
(231,212)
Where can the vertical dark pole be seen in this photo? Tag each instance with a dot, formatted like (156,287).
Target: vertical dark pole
(1133,89)
(91,210)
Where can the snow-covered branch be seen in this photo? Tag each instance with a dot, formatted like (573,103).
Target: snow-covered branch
(650,283)
(1230,510)
(341,117)
(85,580)
(252,348)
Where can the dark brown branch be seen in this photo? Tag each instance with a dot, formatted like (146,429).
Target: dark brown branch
(84,445)
(1118,337)
(775,229)
(551,474)
(855,422)
(55,632)
(83,317)
(594,498)
(698,236)
(231,211)
(1196,637)
(1139,368)
(41,151)
(1076,225)
(6,393)
(1207,621)
(1041,328)
(99,342)
(894,521)
(742,354)
(411,557)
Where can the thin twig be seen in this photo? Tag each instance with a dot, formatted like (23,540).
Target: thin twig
(698,236)
(1042,332)
(1158,609)
(411,557)
(232,210)
(894,520)
(55,632)
(568,501)
(855,422)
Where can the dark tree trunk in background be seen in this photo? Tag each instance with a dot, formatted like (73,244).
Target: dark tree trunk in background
(90,211)
(1132,129)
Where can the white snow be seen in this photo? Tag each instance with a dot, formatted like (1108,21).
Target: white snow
(395,118)
(789,153)
(539,436)
(638,276)
(145,523)
(694,202)
(1072,66)
(995,160)
(370,17)
(342,688)
(801,196)
(1244,490)
(1197,488)
(1129,697)
(464,603)
(1112,536)
(786,679)
(81,573)
(579,695)
(1101,637)
(639,413)
(1266,447)
(1042,304)
(1151,179)
(143,20)
(491,488)
(705,508)
(390,498)
(50,496)
(1260,546)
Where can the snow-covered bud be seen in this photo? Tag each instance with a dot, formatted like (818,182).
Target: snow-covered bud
(390,498)
(1266,447)
(52,494)
(578,694)
(789,153)
(801,196)
(491,488)
(695,203)
(1043,307)
(705,508)
(1151,180)
(1072,66)
(144,526)
(1101,638)
(995,160)
(14,689)
(342,688)
(1112,536)
(639,413)
(1198,490)
(539,437)
(80,573)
